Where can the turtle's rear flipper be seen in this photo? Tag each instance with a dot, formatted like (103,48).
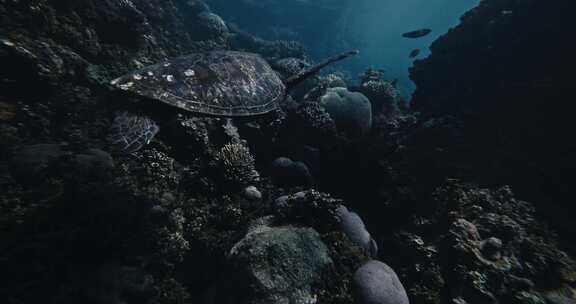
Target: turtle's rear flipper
(130,132)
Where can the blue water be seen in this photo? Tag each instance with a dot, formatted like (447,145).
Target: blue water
(380,23)
(326,27)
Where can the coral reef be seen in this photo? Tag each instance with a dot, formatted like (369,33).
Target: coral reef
(351,111)
(236,165)
(199,215)
(311,208)
(279,263)
(310,123)
(501,66)
(384,97)
(480,245)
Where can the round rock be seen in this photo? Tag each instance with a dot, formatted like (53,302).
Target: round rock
(377,283)
(353,226)
(278,264)
(252,193)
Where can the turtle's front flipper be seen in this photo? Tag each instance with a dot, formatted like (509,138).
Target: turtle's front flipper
(296,79)
(130,132)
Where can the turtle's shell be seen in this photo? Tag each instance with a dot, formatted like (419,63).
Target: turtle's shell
(221,83)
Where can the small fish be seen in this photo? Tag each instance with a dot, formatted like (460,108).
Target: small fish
(417,33)
(395,82)
(414,53)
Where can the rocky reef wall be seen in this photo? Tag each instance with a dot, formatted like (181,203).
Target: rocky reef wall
(275,209)
(503,78)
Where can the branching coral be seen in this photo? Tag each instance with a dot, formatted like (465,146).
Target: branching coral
(236,165)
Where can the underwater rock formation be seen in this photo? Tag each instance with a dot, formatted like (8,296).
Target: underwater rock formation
(252,193)
(354,228)
(487,247)
(311,208)
(279,265)
(174,221)
(506,77)
(377,283)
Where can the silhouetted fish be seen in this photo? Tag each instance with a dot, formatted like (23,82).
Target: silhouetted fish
(417,33)
(414,53)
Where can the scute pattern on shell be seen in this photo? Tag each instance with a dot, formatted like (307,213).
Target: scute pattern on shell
(221,83)
(130,132)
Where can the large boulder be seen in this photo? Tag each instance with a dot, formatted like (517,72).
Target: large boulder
(377,283)
(277,265)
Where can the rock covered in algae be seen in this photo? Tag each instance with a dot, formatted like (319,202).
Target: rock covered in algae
(279,264)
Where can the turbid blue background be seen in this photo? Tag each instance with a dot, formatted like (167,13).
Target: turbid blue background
(380,23)
(329,26)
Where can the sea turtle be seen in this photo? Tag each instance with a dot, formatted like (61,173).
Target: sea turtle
(213,83)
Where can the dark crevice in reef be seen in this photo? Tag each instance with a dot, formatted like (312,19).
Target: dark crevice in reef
(209,211)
